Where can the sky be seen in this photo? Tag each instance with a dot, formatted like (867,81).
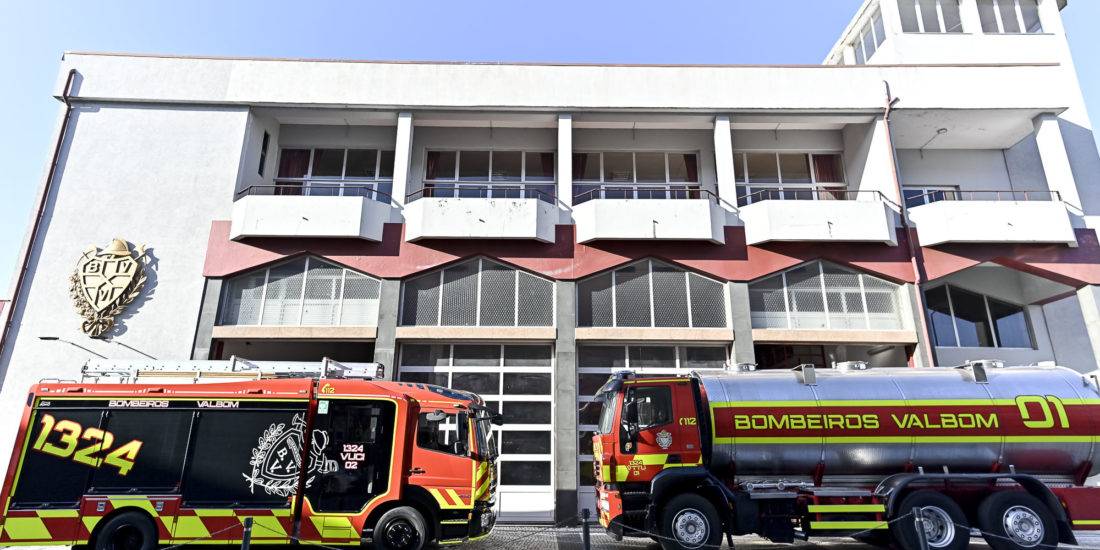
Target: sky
(34,34)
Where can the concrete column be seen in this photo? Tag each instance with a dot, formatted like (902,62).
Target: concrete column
(848,55)
(923,355)
(891,17)
(869,160)
(385,340)
(208,317)
(565,166)
(402,157)
(723,161)
(565,402)
(1090,312)
(741,321)
(968,13)
(1052,152)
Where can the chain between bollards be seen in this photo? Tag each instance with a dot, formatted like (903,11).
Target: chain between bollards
(585,540)
(918,523)
(246,537)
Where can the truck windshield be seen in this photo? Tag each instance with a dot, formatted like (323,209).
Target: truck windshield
(486,447)
(608,402)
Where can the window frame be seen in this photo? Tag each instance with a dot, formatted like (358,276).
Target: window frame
(790,307)
(940,20)
(814,186)
(637,188)
(988,316)
(652,307)
(926,190)
(871,26)
(439,273)
(308,181)
(453,187)
(1017,9)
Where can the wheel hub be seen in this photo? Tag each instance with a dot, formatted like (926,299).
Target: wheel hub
(690,528)
(399,534)
(939,528)
(1023,526)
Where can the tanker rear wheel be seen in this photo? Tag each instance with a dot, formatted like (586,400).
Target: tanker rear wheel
(690,522)
(1015,520)
(945,525)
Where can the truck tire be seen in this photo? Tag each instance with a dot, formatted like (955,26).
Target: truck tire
(1015,520)
(944,522)
(690,522)
(127,531)
(402,528)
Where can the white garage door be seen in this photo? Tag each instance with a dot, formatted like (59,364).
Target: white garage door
(516,380)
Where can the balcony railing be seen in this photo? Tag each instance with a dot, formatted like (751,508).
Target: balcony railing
(308,188)
(542,191)
(642,192)
(980,195)
(810,194)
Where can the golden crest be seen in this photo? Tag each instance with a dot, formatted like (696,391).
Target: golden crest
(105,282)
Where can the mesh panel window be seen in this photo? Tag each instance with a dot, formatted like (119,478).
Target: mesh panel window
(822,295)
(478,292)
(679,298)
(305,291)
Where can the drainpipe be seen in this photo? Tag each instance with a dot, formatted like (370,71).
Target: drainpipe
(42,200)
(914,253)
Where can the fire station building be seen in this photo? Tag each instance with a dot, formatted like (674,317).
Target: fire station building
(926,196)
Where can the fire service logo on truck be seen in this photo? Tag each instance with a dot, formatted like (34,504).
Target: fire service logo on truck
(276,458)
(105,282)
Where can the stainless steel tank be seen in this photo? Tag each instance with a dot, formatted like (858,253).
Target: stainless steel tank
(875,422)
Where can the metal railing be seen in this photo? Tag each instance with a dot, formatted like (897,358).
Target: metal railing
(675,192)
(981,195)
(807,194)
(318,189)
(484,191)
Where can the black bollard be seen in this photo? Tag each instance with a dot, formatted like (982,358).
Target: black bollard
(584,530)
(918,524)
(246,537)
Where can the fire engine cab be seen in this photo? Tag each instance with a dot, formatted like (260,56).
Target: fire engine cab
(140,455)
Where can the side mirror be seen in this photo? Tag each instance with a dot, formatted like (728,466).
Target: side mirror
(460,448)
(436,416)
(630,412)
(497,419)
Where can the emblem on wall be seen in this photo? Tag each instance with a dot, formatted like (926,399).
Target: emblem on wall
(105,282)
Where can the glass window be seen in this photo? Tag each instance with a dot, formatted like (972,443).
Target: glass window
(1010,323)
(435,378)
(473,166)
(425,355)
(683,167)
(527,356)
(1009,22)
(478,292)
(618,167)
(459,304)
(294,163)
(361,163)
(1030,11)
(952,20)
(590,383)
(762,168)
(539,167)
(385,164)
(939,317)
(477,382)
(586,167)
(440,165)
(47,478)
(526,412)
(868,39)
(351,478)
(828,168)
(607,414)
(819,295)
(606,357)
(908,9)
(695,358)
(436,431)
(507,166)
(651,167)
(971,319)
(880,30)
(530,383)
(988,15)
(524,472)
(654,405)
(263,153)
(642,357)
(739,167)
(328,163)
(794,168)
(525,442)
(680,299)
(159,464)
(930,17)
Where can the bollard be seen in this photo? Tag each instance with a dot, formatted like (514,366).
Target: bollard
(918,523)
(584,530)
(246,537)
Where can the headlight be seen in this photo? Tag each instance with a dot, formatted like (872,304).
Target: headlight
(605,505)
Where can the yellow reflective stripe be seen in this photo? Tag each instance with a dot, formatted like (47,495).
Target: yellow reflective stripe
(190,527)
(450,542)
(26,529)
(269,527)
(214,512)
(90,522)
(453,522)
(144,504)
(650,380)
(848,525)
(57,513)
(836,508)
(455,498)
(605,472)
(1086,522)
(887,403)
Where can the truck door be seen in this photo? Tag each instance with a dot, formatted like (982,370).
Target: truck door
(441,458)
(663,432)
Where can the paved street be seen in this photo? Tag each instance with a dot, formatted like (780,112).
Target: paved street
(535,537)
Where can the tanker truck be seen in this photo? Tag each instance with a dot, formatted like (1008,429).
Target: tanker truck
(851,451)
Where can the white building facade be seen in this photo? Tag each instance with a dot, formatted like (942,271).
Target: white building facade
(926,196)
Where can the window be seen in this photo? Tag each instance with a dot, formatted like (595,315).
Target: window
(47,480)
(489,174)
(788,176)
(478,292)
(654,405)
(869,38)
(635,175)
(1009,16)
(651,294)
(916,196)
(163,434)
(336,172)
(930,16)
(263,153)
(439,431)
(354,464)
(820,295)
(960,318)
(303,291)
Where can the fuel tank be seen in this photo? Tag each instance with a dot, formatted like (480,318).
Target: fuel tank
(875,422)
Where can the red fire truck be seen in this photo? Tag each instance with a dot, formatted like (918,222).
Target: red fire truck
(330,460)
(851,451)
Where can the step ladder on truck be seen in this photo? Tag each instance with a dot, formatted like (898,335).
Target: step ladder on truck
(147,453)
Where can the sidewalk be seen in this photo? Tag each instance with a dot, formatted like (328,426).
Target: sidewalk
(539,537)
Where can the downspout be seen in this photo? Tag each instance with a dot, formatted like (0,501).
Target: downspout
(919,275)
(42,200)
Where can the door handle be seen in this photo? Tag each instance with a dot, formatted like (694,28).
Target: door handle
(416,470)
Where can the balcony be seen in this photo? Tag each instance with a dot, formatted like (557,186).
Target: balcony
(311,209)
(637,212)
(952,216)
(482,211)
(827,215)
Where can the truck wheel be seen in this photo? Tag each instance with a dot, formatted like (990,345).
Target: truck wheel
(1013,520)
(690,522)
(944,522)
(402,528)
(127,531)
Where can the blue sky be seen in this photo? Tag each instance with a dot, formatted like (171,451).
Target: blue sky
(34,33)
